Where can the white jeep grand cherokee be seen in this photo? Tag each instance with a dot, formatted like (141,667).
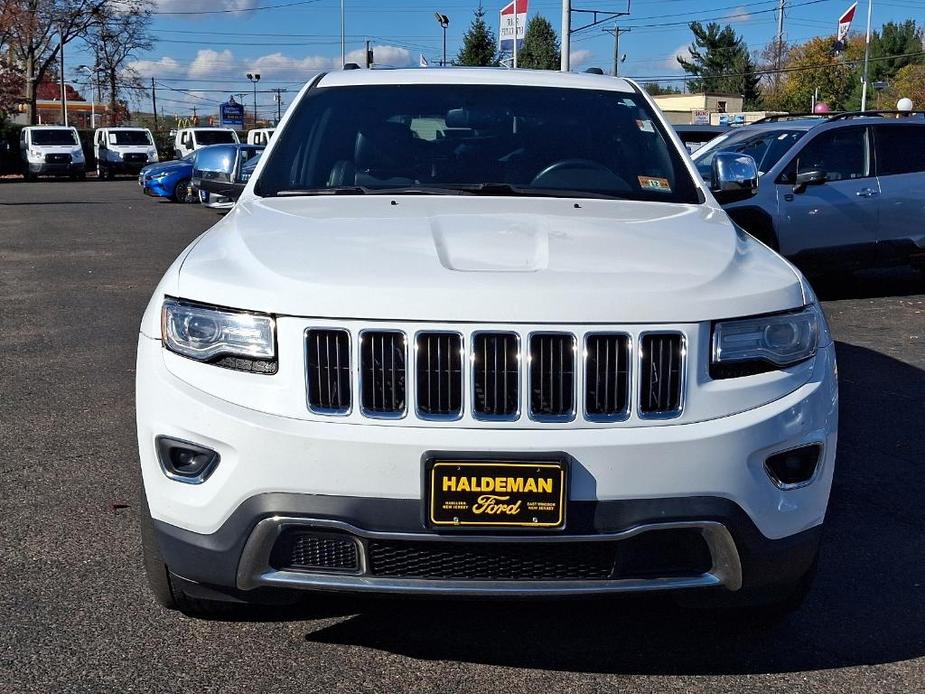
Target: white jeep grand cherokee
(483,332)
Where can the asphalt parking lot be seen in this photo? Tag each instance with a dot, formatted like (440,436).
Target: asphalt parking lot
(78,262)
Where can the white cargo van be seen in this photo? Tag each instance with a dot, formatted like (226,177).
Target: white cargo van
(51,150)
(122,150)
(260,136)
(190,139)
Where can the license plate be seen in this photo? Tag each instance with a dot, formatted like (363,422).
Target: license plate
(513,494)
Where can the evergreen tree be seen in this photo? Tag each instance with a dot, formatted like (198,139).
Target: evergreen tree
(541,46)
(720,63)
(479,49)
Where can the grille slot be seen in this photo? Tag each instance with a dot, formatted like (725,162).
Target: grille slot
(439,374)
(607,376)
(496,375)
(661,355)
(552,376)
(313,551)
(382,373)
(328,363)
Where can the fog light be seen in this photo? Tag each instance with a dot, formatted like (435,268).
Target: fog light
(184,461)
(794,468)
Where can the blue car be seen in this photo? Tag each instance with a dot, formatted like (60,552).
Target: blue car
(169,179)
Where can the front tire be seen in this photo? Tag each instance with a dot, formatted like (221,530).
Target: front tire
(181,192)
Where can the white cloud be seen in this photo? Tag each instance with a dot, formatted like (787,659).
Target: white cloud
(163,67)
(579,58)
(738,15)
(279,65)
(382,55)
(671,63)
(165,6)
(210,63)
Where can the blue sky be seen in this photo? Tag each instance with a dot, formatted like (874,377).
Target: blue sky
(201,58)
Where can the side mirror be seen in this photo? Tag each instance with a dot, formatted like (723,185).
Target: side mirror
(214,171)
(809,178)
(734,177)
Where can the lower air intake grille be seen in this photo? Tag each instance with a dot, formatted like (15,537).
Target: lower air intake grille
(313,551)
(552,375)
(382,373)
(328,356)
(660,553)
(607,376)
(495,375)
(439,374)
(660,374)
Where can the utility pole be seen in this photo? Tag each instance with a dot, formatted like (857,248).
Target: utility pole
(154,102)
(278,97)
(615,31)
(343,42)
(866,57)
(514,57)
(368,53)
(565,35)
(63,85)
(780,44)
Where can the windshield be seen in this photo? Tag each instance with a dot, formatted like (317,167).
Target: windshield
(130,137)
(54,136)
(214,137)
(476,139)
(766,147)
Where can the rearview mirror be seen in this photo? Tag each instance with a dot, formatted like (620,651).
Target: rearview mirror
(809,178)
(734,177)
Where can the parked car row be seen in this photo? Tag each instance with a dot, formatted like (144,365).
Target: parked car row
(212,175)
(55,150)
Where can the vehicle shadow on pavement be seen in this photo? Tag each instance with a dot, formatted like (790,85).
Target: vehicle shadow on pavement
(870,284)
(866,606)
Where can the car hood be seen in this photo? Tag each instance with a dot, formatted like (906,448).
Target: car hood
(166,167)
(461,258)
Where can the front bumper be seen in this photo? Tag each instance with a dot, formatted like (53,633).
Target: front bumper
(159,188)
(51,169)
(707,475)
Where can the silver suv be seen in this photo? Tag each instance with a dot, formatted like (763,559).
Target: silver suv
(836,193)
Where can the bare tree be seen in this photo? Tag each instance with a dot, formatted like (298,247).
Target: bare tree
(38,30)
(119,31)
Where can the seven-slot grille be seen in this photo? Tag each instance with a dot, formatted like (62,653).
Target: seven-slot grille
(495,375)
(660,374)
(439,374)
(558,383)
(552,375)
(382,373)
(328,364)
(607,376)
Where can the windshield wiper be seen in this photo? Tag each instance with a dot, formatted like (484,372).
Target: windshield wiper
(333,190)
(366,190)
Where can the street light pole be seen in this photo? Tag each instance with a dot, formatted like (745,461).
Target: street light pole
(444,22)
(92,72)
(343,41)
(866,58)
(254,79)
(63,85)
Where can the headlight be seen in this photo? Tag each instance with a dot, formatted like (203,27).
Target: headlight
(764,343)
(78,153)
(240,340)
(152,154)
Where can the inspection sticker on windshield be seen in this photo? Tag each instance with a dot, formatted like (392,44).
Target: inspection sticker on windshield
(654,183)
(645,126)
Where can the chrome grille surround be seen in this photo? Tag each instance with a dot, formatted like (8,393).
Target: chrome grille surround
(452,413)
(311,377)
(565,409)
(478,377)
(644,411)
(695,348)
(372,410)
(618,414)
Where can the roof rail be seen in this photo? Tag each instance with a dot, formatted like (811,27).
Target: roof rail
(878,113)
(793,116)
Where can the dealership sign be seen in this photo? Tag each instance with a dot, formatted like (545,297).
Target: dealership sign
(231,114)
(513,22)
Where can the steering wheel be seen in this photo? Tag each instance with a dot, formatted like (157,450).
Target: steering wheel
(574,164)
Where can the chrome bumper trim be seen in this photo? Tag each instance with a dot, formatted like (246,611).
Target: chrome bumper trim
(254,569)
